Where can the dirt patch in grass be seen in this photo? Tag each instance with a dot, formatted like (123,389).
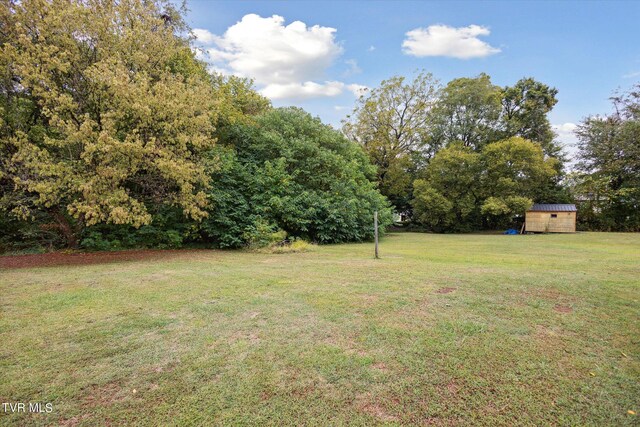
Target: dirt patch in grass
(562,308)
(365,403)
(244,336)
(379,366)
(168,366)
(74,421)
(58,258)
(452,387)
(445,290)
(366,301)
(103,395)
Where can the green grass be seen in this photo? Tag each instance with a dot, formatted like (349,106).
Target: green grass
(537,330)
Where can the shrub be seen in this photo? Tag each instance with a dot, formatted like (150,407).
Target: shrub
(264,234)
(296,174)
(288,247)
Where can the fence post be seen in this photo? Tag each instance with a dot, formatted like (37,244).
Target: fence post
(375,231)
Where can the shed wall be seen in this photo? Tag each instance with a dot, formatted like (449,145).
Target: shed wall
(564,222)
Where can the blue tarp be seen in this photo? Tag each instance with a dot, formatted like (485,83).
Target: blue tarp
(511,231)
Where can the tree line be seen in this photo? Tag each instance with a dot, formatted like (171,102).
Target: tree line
(606,184)
(472,155)
(113,135)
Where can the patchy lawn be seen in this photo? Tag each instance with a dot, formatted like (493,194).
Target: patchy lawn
(443,330)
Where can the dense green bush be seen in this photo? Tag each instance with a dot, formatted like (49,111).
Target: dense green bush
(292,173)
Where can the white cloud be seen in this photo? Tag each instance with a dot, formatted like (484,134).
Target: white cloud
(568,139)
(565,128)
(442,40)
(285,61)
(565,132)
(304,90)
(631,75)
(371,48)
(203,36)
(358,90)
(273,53)
(311,90)
(339,107)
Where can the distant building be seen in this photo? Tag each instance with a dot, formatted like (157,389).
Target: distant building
(551,218)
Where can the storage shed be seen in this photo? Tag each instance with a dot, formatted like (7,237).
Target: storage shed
(554,218)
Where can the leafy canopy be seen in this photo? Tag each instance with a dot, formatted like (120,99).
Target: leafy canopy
(105,112)
(295,174)
(608,181)
(468,110)
(391,123)
(465,190)
(404,126)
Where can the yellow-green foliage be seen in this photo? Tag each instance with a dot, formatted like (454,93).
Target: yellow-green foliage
(390,122)
(462,188)
(106,111)
(288,247)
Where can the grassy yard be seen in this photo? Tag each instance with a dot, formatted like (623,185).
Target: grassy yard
(443,330)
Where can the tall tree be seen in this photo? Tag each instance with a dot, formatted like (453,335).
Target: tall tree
(525,107)
(447,197)
(463,190)
(392,124)
(105,112)
(468,111)
(515,170)
(609,153)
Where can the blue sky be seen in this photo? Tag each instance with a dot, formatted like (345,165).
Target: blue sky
(587,50)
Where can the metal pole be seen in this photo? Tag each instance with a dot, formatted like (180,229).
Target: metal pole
(375,231)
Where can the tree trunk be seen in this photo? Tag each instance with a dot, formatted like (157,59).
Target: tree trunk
(69,232)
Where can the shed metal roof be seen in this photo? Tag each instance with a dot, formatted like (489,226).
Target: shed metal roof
(539,207)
